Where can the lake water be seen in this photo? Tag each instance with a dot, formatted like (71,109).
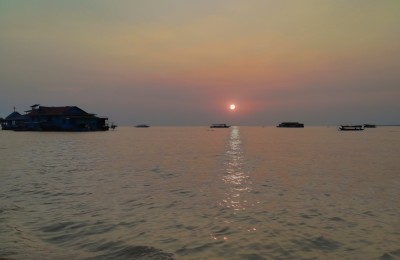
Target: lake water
(198,193)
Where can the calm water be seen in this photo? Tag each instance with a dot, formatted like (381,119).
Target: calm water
(196,193)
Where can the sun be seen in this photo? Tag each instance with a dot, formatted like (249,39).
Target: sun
(232,107)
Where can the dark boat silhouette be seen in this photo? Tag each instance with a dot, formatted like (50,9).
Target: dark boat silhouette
(291,125)
(220,126)
(351,128)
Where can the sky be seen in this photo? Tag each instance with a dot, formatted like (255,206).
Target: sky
(183,62)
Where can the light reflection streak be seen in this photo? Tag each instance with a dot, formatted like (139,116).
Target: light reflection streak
(235,177)
(238,197)
(238,188)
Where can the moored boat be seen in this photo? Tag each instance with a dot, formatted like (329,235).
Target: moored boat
(291,125)
(220,126)
(351,128)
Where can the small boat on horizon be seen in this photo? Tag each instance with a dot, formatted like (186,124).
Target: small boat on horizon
(291,125)
(220,126)
(142,126)
(351,128)
(369,126)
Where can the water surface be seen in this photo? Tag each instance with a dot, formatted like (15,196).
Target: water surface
(198,193)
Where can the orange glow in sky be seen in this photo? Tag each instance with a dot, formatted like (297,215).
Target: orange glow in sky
(163,63)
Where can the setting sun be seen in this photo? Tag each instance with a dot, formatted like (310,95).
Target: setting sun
(232,107)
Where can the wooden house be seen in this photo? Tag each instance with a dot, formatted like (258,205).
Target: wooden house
(66,118)
(13,121)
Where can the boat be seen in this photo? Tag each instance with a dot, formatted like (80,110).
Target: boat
(142,126)
(369,126)
(220,126)
(351,128)
(291,125)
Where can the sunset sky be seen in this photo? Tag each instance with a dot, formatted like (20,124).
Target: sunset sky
(183,62)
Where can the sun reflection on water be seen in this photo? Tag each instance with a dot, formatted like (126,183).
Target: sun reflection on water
(238,201)
(235,176)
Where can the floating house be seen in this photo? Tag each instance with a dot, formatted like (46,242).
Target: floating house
(13,121)
(66,118)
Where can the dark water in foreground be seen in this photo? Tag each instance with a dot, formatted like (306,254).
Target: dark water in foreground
(196,193)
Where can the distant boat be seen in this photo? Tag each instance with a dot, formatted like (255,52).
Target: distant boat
(351,128)
(369,126)
(142,126)
(291,125)
(219,126)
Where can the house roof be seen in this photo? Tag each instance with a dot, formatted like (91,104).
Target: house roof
(15,116)
(58,111)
